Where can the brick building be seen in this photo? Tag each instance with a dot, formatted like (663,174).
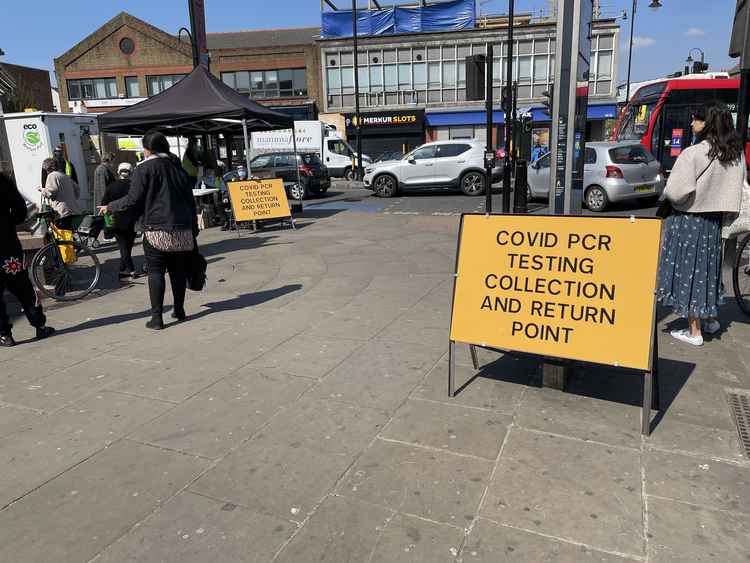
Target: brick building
(26,88)
(127,60)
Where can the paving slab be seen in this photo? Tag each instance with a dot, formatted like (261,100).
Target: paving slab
(93,504)
(584,492)
(672,433)
(57,442)
(194,529)
(218,418)
(308,355)
(414,540)
(436,485)
(14,419)
(490,543)
(289,467)
(340,530)
(496,390)
(581,417)
(702,481)
(682,533)
(450,427)
(378,375)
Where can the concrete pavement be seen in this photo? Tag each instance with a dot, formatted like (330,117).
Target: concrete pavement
(302,415)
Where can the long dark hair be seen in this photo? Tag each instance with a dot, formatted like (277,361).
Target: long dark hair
(155,141)
(726,145)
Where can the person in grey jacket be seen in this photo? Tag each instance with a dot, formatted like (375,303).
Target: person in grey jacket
(705,184)
(62,192)
(103,176)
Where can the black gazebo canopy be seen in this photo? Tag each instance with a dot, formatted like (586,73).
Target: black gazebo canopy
(198,104)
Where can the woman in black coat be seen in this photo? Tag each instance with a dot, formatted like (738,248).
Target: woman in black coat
(161,193)
(13,276)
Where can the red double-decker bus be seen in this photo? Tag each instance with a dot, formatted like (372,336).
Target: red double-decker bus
(659,114)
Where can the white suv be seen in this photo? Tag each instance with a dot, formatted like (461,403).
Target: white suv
(442,164)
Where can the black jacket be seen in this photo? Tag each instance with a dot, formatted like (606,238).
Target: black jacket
(162,193)
(12,213)
(124,221)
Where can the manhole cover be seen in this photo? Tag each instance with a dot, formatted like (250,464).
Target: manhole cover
(739,402)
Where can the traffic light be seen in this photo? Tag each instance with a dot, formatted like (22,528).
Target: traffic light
(548,99)
(699,67)
(506,99)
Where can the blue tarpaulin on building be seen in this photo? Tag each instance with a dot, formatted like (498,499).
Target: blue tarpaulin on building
(445,16)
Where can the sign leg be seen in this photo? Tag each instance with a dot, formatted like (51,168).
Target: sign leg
(646,408)
(655,371)
(474,358)
(451,368)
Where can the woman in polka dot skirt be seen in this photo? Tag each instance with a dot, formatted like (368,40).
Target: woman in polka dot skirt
(705,183)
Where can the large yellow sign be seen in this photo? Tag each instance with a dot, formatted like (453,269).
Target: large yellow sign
(579,288)
(254,200)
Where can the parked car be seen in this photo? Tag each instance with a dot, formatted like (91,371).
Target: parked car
(312,172)
(440,164)
(613,171)
(389,155)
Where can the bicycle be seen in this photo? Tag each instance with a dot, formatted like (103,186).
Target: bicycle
(64,270)
(741,275)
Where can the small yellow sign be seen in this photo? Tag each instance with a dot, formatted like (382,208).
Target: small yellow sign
(572,287)
(254,200)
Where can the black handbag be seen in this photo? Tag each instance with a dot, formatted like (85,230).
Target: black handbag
(665,208)
(196,271)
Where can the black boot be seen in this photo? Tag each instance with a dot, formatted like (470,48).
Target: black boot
(6,340)
(44,332)
(179,313)
(156,322)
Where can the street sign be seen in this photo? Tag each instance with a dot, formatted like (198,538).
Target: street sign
(568,287)
(255,200)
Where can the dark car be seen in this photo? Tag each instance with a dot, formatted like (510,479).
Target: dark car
(312,173)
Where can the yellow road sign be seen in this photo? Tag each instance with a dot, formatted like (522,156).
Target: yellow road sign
(253,200)
(579,288)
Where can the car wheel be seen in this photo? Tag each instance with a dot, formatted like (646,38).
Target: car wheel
(596,199)
(385,186)
(298,192)
(348,174)
(472,183)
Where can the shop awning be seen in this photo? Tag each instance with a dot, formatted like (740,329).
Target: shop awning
(463,118)
(604,111)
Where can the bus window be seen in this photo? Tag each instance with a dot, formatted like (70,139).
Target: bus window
(635,123)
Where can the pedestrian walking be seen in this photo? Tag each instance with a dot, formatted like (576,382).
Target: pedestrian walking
(705,184)
(13,276)
(161,192)
(62,192)
(124,222)
(103,176)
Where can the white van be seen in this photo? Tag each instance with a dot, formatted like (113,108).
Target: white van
(312,136)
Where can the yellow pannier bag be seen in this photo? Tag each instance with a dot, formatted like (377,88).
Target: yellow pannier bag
(67,251)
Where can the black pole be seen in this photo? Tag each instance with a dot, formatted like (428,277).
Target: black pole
(488,110)
(630,50)
(508,123)
(193,44)
(358,174)
(743,101)
(516,132)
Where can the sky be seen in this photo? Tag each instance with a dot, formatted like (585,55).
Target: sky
(34,32)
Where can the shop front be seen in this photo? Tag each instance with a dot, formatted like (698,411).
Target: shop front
(397,131)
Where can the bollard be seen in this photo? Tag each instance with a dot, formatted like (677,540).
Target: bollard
(520,192)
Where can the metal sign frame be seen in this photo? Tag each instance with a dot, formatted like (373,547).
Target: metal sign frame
(650,390)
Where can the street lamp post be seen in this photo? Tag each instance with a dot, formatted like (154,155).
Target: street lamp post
(654,5)
(689,61)
(358,125)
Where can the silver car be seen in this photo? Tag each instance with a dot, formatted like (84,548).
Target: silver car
(612,172)
(440,164)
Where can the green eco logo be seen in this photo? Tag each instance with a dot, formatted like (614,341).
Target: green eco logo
(32,137)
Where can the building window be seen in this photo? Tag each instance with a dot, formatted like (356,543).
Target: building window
(157,84)
(132,88)
(127,46)
(281,83)
(92,89)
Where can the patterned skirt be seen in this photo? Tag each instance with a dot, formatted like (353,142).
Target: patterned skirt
(690,269)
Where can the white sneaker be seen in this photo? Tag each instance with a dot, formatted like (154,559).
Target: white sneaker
(711,327)
(685,336)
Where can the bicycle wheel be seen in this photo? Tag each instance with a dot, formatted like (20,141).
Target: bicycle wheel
(741,275)
(65,281)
